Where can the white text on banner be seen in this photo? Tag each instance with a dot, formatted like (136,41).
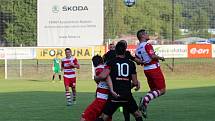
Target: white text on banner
(171,51)
(20,53)
(74,23)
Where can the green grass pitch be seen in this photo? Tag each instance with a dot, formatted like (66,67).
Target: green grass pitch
(30,100)
(190,97)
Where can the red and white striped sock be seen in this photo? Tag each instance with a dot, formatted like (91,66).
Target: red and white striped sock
(150,96)
(68,96)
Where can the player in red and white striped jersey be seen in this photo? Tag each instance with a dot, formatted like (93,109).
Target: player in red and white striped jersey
(94,110)
(153,73)
(69,65)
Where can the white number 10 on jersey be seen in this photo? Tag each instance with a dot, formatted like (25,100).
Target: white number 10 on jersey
(121,69)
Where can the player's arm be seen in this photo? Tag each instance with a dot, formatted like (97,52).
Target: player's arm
(105,72)
(96,81)
(110,85)
(103,75)
(105,57)
(62,65)
(135,82)
(150,51)
(156,57)
(76,64)
(135,59)
(139,61)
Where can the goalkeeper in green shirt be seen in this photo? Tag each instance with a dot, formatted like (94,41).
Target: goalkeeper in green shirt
(56,68)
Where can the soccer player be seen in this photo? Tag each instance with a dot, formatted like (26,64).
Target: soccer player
(152,70)
(105,87)
(56,68)
(68,65)
(123,75)
(109,56)
(112,54)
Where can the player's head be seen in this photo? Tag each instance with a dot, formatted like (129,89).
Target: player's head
(97,59)
(111,46)
(120,48)
(68,52)
(142,35)
(123,41)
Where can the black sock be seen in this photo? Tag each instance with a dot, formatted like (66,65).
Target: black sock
(53,77)
(74,98)
(99,119)
(139,119)
(60,77)
(126,114)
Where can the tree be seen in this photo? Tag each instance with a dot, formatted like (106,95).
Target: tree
(199,16)
(152,15)
(22,29)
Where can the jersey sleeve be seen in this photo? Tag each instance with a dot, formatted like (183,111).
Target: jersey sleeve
(75,61)
(98,71)
(109,55)
(133,68)
(62,63)
(137,56)
(105,57)
(149,49)
(106,67)
(108,64)
(128,55)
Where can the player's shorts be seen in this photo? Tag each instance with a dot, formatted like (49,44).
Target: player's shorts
(56,70)
(71,82)
(155,79)
(112,106)
(94,110)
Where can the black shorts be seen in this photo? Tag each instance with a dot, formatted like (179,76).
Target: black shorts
(112,106)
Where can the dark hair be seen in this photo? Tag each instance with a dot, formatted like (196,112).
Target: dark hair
(67,49)
(123,41)
(97,59)
(140,32)
(120,48)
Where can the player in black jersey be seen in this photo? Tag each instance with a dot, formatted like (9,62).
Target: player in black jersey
(109,56)
(123,75)
(112,54)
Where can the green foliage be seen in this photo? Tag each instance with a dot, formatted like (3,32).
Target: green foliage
(19,19)
(198,16)
(23,27)
(154,16)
